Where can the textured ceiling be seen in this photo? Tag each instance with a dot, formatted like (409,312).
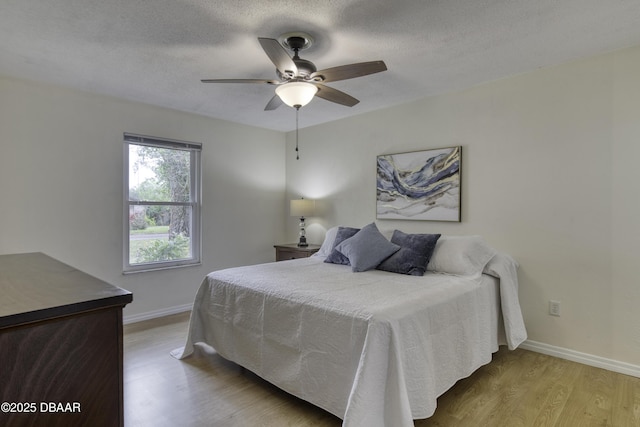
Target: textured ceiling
(157,51)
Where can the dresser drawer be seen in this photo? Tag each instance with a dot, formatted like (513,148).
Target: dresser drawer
(292,251)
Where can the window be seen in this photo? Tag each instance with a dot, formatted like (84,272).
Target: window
(161,203)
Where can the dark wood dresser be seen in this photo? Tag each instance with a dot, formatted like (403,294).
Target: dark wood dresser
(60,345)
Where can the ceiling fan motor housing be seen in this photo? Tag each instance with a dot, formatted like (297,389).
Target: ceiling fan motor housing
(297,42)
(305,68)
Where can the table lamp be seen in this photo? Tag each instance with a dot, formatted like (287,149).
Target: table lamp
(302,208)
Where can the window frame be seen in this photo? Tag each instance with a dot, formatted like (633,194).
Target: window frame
(195,202)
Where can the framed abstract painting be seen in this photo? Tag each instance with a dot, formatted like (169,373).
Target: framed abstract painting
(420,185)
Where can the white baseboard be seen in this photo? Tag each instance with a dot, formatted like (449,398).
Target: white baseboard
(156,313)
(584,358)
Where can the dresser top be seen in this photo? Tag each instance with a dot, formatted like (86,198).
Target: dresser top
(35,287)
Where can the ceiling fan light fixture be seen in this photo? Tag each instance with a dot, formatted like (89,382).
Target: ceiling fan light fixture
(296,94)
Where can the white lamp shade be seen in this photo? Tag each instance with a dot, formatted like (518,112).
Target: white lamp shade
(302,207)
(296,94)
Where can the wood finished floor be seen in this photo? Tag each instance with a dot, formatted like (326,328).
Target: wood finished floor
(518,388)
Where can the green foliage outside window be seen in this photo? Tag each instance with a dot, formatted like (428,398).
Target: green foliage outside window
(163,250)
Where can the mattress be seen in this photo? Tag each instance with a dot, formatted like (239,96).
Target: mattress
(373,348)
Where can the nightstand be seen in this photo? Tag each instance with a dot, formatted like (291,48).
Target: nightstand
(293,251)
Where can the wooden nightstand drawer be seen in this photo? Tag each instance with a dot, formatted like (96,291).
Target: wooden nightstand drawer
(293,251)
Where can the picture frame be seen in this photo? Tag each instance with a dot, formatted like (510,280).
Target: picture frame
(420,185)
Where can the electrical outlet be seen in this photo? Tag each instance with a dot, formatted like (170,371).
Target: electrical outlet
(554,308)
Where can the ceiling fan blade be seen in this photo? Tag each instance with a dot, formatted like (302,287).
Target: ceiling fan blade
(334,95)
(350,71)
(279,56)
(274,103)
(271,82)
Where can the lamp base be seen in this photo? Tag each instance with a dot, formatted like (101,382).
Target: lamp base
(302,243)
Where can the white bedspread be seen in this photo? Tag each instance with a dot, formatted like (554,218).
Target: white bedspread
(372,348)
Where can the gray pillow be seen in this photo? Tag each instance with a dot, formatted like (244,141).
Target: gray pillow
(367,248)
(335,257)
(414,254)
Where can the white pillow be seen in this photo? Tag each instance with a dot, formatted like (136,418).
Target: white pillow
(461,255)
(327,244)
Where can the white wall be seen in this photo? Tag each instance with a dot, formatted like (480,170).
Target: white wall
(549,176)
(61,168)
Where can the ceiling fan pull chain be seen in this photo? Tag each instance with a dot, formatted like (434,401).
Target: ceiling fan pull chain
(297,151)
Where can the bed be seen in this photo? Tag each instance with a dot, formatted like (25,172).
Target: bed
(372,347)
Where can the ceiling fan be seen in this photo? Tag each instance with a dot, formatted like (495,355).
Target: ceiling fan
(298,79)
